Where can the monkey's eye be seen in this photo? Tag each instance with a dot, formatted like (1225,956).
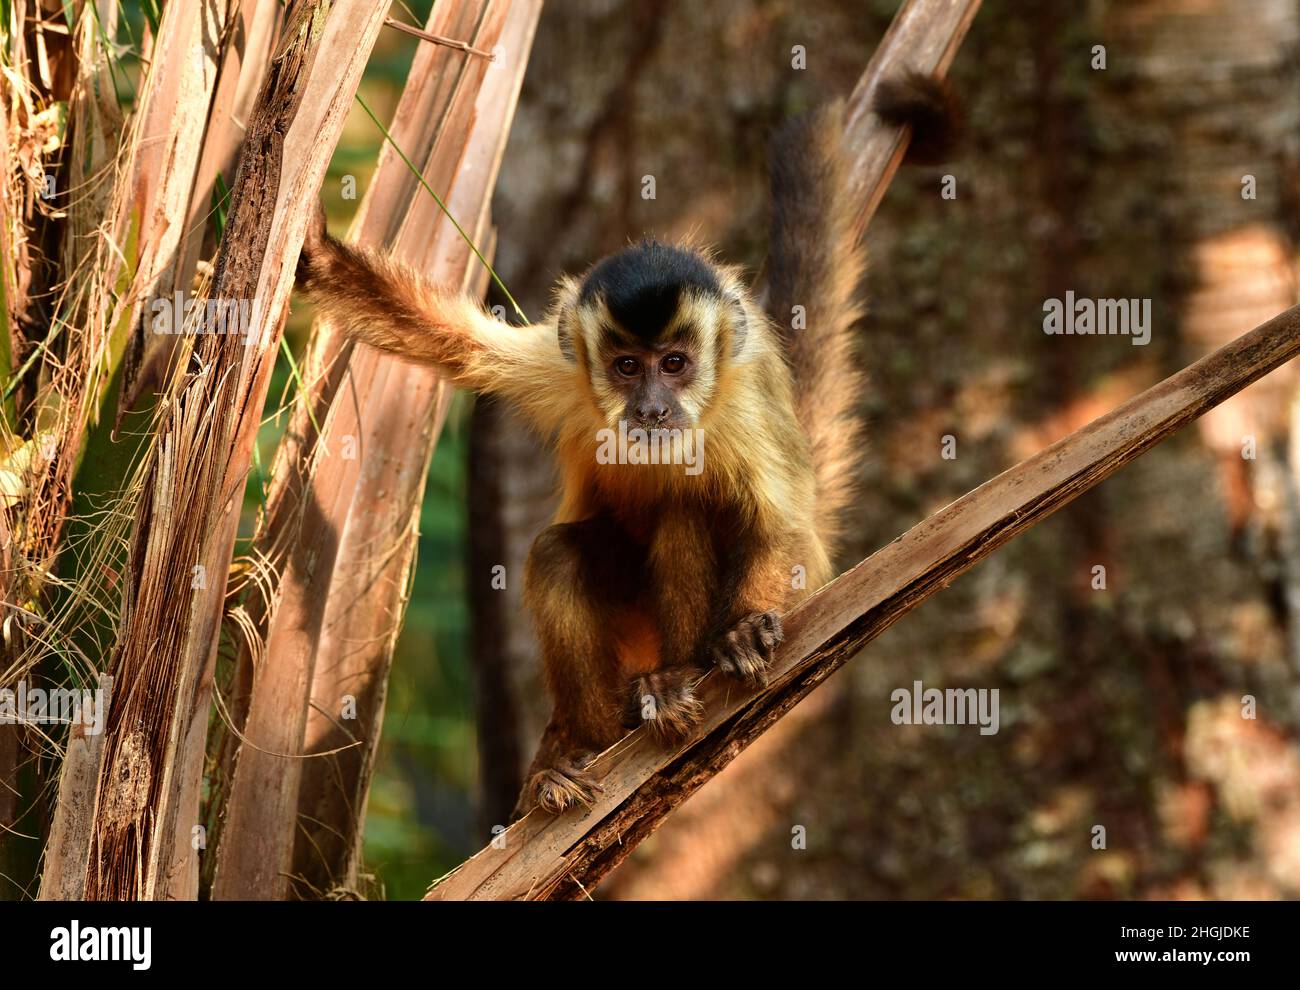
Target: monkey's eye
(627,366)
(673,364)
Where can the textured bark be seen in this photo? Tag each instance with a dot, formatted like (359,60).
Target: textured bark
(185,523)
(70,365)
(366,606)
(182,83)
(139,205)
(234,41)
(68,855)
(30,240)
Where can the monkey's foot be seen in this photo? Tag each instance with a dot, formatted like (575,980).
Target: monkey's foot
(565,784)
(745,651)
(664,702)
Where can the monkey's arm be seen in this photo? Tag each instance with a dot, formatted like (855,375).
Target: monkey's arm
(377,300)
(755,586)
(717,600)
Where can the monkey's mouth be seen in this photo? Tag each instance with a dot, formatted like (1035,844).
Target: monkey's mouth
(653,426)
(660,444)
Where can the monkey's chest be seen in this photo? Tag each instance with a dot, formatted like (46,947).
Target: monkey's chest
(638,645)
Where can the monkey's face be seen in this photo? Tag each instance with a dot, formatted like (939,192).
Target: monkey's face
(663,380)
(648,386)
(648,325)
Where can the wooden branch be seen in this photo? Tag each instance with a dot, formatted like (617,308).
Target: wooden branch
(142,215)
(340,529)
(925,36)
(68,850)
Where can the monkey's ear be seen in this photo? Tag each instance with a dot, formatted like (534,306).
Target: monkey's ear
(566,317)
(739,324)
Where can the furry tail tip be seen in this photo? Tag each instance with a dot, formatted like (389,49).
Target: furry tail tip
(930,107)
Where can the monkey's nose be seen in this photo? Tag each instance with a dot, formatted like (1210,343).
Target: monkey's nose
(652,413)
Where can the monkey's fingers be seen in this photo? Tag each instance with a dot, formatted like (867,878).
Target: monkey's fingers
(664,702)
(560,788)
(746,651)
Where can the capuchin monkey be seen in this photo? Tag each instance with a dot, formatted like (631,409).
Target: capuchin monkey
(659,569)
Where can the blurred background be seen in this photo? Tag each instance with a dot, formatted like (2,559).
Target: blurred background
(1108,152)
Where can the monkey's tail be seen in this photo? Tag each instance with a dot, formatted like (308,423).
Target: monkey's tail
(929,106)
(815,264)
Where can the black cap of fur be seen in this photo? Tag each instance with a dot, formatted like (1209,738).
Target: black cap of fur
(642,285)
(928,105)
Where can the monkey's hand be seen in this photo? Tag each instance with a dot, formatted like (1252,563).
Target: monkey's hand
(664,702)
(745,650)
(567,783)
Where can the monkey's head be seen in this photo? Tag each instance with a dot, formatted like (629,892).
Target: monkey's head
(650,326)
